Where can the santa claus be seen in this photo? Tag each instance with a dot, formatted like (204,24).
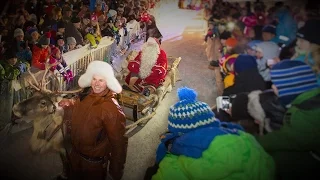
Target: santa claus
(149,69)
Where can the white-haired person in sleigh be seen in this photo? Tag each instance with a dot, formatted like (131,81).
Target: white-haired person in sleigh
(148,70)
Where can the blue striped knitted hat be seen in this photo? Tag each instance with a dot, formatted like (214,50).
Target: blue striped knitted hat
(292,78)
(189,114)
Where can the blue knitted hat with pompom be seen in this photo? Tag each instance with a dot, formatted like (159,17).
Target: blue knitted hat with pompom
(189,114)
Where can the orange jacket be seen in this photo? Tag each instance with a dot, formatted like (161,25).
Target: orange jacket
(39,57)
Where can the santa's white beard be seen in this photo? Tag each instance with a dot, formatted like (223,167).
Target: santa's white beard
(149,57)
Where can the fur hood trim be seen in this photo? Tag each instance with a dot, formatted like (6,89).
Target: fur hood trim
(254,106)
(102,69)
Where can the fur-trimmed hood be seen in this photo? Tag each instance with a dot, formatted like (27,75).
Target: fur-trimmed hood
(265,106)
(254,106)
(102,69)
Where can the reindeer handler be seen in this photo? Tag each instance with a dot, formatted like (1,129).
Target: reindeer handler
(97,126)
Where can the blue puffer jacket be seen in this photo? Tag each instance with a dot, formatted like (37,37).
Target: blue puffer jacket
(287,26)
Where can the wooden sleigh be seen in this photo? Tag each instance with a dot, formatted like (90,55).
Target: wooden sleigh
(143,107)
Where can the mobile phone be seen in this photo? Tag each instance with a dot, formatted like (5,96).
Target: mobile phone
(271,62)
(223,102)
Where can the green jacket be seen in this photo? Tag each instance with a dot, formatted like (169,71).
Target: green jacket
(301,129)
(9,72)
(295,148)
(228,157)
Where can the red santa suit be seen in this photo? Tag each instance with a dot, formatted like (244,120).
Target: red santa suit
(150,66)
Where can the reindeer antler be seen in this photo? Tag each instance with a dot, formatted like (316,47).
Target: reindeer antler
(42,85)
(36,86)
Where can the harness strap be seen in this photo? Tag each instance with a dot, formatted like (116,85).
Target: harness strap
(54,132)
(89,159)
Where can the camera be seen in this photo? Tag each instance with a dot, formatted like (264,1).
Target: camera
(223,102)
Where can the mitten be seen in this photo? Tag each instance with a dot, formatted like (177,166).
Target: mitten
(92,40)
(69,75)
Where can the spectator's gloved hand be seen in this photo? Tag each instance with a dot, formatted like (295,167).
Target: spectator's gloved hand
(22,67)
(69,76)
(224,116)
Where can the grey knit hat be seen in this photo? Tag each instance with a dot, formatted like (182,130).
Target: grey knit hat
(18,32)
(45,39)
(71,40)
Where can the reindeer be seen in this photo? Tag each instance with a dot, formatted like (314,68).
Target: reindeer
(49,129)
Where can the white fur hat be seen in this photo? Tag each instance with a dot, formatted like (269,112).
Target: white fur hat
(102,69)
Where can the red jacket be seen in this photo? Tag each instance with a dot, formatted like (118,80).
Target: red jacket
(158,72)
(39,57)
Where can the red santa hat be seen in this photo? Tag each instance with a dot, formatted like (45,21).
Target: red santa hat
(145,17)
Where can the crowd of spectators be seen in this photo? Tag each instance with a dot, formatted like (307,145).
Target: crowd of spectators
(267,59)
(265,124)
(34,32)
(270,35)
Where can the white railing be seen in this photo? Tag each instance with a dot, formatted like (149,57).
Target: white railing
(107,50)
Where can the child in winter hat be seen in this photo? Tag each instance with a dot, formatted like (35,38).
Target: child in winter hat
(10,70)
(18,32)
(44,39)
(229,45)
(223,40)
(33,33)
(200,146)
(61,27)
(295,146)
(268,32)
(71,43)
(62,67)
(251,47)
(228,70)
(265,51)
(61,44)
(291,78)
(308,44)
(40,52)
(189,113)
(246,72)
